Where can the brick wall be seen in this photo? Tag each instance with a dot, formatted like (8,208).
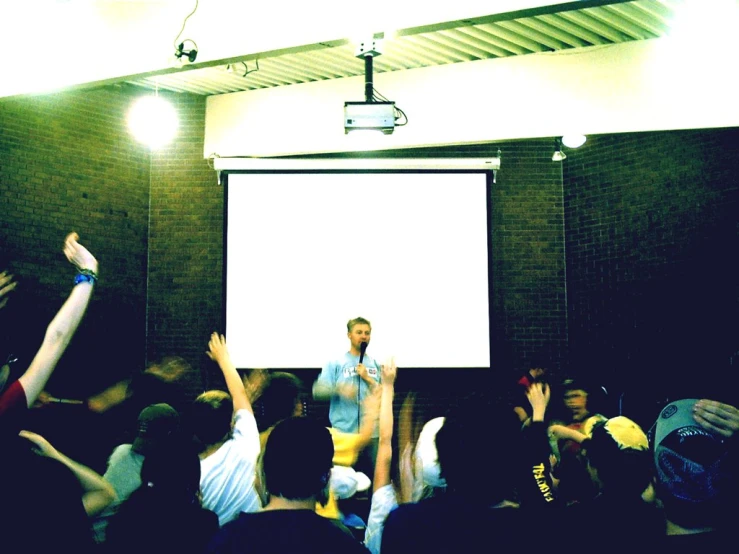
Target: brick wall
(68,163)
(185,247)
(652,221)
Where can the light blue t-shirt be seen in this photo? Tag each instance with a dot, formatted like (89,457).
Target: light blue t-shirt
(344,412)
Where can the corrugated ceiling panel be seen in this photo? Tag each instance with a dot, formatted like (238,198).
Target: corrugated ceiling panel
(573,28)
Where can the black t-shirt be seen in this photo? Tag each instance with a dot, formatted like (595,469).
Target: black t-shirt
(446,524)
(284,531)
(146,525)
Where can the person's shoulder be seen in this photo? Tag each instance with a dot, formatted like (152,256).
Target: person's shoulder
(122,451)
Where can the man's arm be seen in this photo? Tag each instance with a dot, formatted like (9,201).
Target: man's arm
(97,492)
(384,448)
(327,386)
(218,352)
(61,329)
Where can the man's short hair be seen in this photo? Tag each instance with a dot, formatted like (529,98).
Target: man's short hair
(210,417)
(357,321)
(279,397)
(463,441)
(297,458)
(619,450)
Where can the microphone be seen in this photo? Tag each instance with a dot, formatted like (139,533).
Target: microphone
(362,350)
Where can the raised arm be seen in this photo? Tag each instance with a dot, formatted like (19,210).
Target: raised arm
(218,352)
(97,492)
(384,447)
(61,329)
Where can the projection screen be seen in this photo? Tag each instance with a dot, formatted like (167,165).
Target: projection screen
(406,249)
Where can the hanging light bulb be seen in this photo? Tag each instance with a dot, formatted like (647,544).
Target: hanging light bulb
(153,121)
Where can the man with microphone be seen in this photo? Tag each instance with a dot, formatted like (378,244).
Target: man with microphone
(347,381)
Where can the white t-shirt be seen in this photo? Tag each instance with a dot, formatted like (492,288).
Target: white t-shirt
(384,501)
(227,475)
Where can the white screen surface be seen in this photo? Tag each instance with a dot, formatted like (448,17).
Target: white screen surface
(306,252)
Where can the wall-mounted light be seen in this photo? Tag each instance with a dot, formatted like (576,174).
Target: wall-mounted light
(559,154)
(152,120)
(570,141)
(573,140)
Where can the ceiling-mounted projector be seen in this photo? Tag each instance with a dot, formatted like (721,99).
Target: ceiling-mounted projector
(369,116)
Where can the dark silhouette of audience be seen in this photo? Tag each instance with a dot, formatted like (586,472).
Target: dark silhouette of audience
(492,474)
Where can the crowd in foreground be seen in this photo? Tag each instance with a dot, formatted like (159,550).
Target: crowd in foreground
(497,473)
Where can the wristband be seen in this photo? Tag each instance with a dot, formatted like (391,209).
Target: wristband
(86,276)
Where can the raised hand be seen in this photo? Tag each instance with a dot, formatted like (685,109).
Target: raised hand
(217,349)
(389,372)
(42,446)
(6,285)
(538,395)
(362,372)
(78,254)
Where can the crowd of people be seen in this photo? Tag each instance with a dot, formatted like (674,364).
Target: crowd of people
(526,469)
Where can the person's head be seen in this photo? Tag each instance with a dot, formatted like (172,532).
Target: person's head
(297,459)
(358,330)
(281,398)
(575,399)
(463,441)
(617,455)
(695,478)
(172,471)
(211,415)
(157,423)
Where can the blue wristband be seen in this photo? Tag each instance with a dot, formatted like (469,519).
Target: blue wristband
(85,278)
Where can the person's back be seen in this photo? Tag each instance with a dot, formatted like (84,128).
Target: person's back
(448,523)
(295,469)
(164,514)
(283,532)
(478,452)
(228,461)
(224,425)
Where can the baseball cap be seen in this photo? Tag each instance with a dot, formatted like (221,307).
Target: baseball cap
(157,423)
(690,461)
